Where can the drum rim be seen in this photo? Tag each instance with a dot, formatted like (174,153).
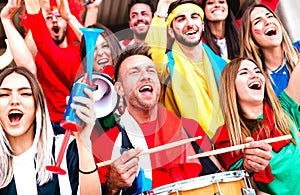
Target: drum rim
(212,178)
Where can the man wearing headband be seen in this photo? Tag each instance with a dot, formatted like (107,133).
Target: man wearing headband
(189,70)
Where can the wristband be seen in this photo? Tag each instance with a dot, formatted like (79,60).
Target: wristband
(88,172)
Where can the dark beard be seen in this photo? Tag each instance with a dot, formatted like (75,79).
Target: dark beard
(59,41)
(185,42)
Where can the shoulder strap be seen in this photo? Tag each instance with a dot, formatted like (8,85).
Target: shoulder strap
(208,166)
(126,143)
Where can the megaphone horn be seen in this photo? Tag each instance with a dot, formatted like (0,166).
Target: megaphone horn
(107,103)
(105,96)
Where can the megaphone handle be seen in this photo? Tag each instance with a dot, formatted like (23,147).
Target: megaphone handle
(63,147)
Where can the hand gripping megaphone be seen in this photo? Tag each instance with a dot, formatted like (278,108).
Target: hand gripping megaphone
(70,121)
(105,96)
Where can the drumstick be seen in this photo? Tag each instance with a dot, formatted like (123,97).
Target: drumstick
(238,147)
(157,149)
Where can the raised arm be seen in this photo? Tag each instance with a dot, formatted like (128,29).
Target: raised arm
(92,12)
(18,47)
(28,38)
(32,6)
(293,89)
(64,10)
(159,43)
(162,8)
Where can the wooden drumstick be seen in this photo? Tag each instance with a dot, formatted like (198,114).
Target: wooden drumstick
(157,149)
(238,147)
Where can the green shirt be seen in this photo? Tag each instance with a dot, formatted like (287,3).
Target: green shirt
(285,164)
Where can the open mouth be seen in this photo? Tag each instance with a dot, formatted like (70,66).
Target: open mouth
(217,11)
(191,32)
(102,61)
(270,32)
(55,30)
(15,116)
(146,88)
(141,25)
(255,85)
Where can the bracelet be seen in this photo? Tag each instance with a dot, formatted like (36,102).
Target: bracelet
(88,172)
(161,15)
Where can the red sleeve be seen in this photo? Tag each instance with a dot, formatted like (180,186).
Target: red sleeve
(102,147)
(221,140)
(64,62)
(102,172)
(270,3)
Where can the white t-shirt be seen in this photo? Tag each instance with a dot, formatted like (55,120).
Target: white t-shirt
(25,173)
(223,47)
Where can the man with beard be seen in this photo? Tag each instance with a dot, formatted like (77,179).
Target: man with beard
(140,13)
(56,58)
(189,70)
(145,125)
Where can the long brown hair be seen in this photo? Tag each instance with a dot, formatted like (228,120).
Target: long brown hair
(250,48)
(231,34)
(233,116)
(111,40)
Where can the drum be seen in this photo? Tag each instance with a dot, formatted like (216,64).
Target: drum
(224,183)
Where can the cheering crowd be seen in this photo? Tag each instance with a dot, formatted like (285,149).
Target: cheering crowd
(191,69)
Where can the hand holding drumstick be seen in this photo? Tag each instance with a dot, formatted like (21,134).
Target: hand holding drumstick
(157,149)
(123,169)
(257,153)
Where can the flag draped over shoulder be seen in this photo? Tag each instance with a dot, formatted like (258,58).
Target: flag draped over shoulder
(191,88)
(217,63)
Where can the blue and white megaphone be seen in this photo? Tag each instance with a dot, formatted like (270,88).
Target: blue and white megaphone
(105,96)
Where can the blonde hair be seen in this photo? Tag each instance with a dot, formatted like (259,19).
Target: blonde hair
(43,138)
(231,109)
(250,48)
